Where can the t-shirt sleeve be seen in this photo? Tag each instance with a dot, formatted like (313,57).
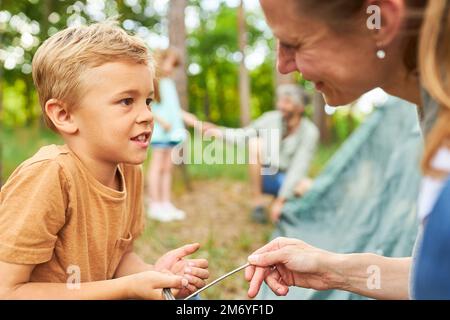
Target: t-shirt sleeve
(33,211)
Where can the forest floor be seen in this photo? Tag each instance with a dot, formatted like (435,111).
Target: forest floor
(218,217)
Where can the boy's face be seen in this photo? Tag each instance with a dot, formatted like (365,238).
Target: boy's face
(114,117)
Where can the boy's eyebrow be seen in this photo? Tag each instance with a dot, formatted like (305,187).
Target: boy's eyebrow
(134,92)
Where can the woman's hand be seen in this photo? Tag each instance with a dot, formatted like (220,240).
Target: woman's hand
(286,262)
(148,285)
(194,270)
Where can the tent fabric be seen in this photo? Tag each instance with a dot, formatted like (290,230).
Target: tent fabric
(365,198)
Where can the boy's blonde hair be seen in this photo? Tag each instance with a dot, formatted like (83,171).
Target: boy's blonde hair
(60,62)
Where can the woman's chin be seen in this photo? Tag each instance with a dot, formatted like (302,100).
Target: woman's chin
(336,100)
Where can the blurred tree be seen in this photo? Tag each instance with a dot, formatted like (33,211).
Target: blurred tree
(244,80)
(177,39)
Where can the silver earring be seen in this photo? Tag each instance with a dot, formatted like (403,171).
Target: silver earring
(381,54)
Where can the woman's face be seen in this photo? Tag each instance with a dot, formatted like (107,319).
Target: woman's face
(342,66)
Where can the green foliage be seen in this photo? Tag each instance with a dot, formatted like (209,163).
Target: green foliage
(212,46)
(21,143)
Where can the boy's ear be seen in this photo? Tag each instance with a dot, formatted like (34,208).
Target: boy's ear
(58,113)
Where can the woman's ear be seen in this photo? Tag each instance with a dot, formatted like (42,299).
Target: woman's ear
(391,15)
(62,119)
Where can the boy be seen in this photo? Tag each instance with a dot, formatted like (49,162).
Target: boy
(69,215)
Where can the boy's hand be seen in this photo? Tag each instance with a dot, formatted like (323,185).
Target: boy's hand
(149,284)
(194,270)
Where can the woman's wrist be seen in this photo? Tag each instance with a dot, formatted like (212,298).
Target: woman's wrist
(335,270)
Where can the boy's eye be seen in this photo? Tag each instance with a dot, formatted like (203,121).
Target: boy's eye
(148,101)
(127,101)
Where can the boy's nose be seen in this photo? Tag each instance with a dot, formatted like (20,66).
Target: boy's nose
(145,115)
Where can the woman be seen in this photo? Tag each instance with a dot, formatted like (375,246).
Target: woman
(333,44)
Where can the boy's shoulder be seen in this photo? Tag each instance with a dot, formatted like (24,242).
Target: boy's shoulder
(56,156)
(46,153)
(42,176)
(51,158)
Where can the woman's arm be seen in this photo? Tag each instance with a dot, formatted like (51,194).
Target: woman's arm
(374,276)
(286,262)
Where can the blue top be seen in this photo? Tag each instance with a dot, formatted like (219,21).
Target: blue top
(169,110)
(432,270)
(430,276)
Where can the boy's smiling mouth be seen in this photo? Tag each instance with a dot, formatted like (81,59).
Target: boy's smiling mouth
(142,140)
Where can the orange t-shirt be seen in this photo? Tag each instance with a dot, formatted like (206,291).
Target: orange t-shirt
(56,215)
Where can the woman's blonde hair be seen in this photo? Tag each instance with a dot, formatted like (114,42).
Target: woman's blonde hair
(426,33)
(434,64)
(61,61)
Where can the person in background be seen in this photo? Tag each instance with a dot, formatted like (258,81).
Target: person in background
(168,132)
(283,174)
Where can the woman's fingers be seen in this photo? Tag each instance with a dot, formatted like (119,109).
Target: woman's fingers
(276,283)
(269,258)
(256,281)
(249,272)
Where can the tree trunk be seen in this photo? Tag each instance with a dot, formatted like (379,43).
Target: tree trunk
(177,39)
(244,80)
(320,117)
